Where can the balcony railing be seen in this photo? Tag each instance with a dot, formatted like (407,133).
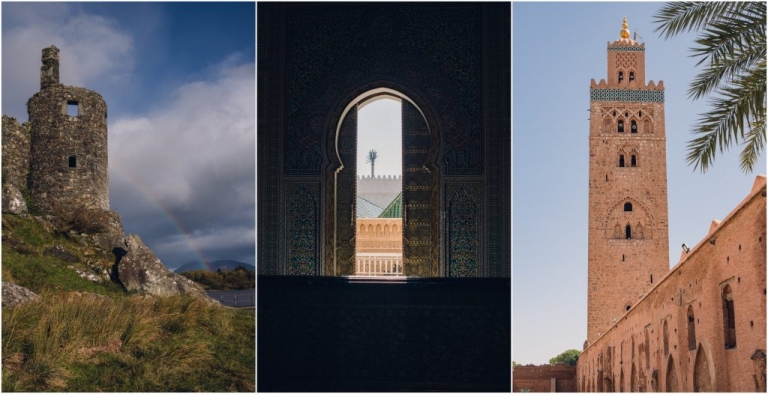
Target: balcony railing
(379,264)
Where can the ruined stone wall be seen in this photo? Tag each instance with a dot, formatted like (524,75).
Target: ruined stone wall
(15,153)
(68,162)
(680,336)
(538,378)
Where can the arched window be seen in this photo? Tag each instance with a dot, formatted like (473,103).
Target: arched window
(666,338)
(621,126)
(729,318)
(633,161)
(621,160)
(627,207)
(633,127)
(691,329)
(631,76)
(628,232)
(621,76)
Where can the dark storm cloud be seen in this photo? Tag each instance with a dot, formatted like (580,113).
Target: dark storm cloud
(193,162)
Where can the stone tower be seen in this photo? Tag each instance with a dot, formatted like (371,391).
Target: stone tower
(628,231)
(68,147)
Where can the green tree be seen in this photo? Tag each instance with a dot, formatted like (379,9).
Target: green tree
(731,45)
(371,158)
(567,357)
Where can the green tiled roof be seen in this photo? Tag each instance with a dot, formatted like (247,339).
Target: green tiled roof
(394,209)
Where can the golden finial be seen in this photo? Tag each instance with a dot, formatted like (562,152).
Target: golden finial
(624,31)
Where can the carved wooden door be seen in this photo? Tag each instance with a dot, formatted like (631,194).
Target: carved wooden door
(420,216)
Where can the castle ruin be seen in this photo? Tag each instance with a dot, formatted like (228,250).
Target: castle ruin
(60,155)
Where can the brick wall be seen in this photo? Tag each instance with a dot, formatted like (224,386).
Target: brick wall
(657,346)
(538,378)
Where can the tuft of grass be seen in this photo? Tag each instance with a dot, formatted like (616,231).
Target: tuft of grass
(89,337)
(76,342)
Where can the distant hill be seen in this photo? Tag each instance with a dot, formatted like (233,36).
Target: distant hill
(218,264)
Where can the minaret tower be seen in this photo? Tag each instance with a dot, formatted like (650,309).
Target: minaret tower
(628,231)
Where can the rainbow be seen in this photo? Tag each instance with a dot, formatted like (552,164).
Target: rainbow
(147,194)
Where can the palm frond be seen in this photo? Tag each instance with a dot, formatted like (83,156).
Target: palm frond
(739,104)
(754,143)
(679,17)
(732,46)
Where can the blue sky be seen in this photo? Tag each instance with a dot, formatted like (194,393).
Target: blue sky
(557,49)
(179,82)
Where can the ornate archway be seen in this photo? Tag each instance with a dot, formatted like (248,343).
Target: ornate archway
(421,181)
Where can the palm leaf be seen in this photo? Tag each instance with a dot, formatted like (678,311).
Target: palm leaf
(732,48)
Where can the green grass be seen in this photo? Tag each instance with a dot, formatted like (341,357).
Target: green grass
(88,337)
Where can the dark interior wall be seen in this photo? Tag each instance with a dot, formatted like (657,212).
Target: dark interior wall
(422,334)
(452,59)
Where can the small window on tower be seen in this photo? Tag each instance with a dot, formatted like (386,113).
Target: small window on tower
(627,207)
(631,76)
(621,160)
(621,76)
(73,161)
(634,127)
(73,109)
(628,231)
(621,126)
(633,161)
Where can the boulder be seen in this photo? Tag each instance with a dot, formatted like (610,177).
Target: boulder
(138,269)
(13,200)
(113,235)
(16,295)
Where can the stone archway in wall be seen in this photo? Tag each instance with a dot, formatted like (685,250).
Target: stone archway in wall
(421,181)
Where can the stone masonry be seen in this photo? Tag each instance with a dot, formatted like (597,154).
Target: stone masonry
(628,230)
(68,155)
(15,153)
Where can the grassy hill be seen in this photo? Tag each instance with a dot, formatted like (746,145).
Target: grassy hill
(95,336)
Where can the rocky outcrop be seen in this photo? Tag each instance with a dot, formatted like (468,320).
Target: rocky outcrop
(61,253)
(13,200)
(140,270)
(16,295)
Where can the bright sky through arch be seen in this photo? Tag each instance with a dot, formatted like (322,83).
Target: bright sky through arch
(379,127)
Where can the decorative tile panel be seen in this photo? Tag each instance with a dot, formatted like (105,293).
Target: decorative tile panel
(463,228)
(656,96)
(302,227)
(627,48)
(324,62)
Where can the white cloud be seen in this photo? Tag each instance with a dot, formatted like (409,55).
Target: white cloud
(197,152)
(93,48)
